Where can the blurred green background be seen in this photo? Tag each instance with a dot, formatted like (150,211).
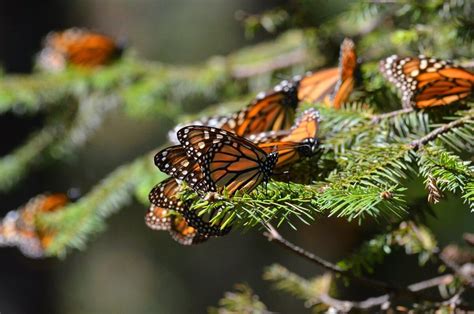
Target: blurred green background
(130,268)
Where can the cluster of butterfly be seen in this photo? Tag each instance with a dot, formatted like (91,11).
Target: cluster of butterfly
(240,151)
(228,154)
(236,153)
(19,227)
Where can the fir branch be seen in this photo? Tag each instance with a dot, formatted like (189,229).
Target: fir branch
(278,201)
(449,127)
(74,224)
(392,114)
(273,235)
(91,111)
(383,302)
(243,300)
(308,290)
(415,239)
(64,133)
(16,165)
(450,171)
(23,94)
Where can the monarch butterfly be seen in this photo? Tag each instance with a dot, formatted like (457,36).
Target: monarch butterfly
(268,111)
(79,47)
(300,141)
(427,82)
(227,160)
(169,213)
(18,228)
(333,85)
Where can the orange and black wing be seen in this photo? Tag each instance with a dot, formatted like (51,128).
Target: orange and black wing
(175,162)
(347,74)
(272,111)
(427,82)
(167,212)
(301,140)
(317,86)
(227,161)
(159,218)
(334,85)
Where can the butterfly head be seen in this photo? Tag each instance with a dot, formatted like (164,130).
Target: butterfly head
(309,147)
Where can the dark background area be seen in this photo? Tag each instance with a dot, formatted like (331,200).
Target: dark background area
(129,268)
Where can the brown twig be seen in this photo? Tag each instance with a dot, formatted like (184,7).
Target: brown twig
(391,114)
(382,301)
(437,132)
(273,235)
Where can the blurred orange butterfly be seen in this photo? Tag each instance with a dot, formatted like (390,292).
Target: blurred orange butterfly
(300,141)
(168,212)
(19,228)
(427,82)
(79,47)
(333,85)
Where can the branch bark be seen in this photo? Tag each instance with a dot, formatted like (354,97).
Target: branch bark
(273,235)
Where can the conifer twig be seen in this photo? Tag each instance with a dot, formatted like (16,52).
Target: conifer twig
(273,235)
(437,132)
(380,301)
(391,114)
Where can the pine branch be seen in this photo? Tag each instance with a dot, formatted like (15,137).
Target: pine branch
(75,223)
(63,134)
(383,302)
(449,127)
(273,235)
(308,290)
(243,300)
(450,171)
(16,165)
(278,202)
(415,239)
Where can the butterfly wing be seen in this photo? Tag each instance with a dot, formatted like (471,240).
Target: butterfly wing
(427,82)
(227,161)
(175,162)
(268,112)
(166,211)
(347,73)
(213,121)
(316,86)
(300,141)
